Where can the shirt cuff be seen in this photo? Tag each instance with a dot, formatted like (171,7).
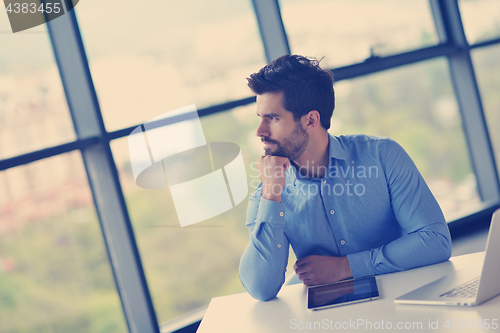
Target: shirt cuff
(271,211)
(361,264)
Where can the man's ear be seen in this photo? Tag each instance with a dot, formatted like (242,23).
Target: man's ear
(311,119)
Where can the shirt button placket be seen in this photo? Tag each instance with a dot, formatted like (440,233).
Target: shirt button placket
(279,245)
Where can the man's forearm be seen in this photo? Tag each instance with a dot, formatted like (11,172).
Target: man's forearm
(426,246)
(263,265)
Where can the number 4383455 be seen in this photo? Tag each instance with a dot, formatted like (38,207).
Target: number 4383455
(32,8)
(471,324)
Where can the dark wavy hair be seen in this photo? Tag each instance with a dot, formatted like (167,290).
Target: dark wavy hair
(304,84)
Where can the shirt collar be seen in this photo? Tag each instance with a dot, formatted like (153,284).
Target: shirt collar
(335,150)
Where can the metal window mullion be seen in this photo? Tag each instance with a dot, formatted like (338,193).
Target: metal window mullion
(102,174)
(450,30)
(439,21)
(271,28)
(393,61)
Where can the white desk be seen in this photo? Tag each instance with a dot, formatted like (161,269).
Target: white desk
(288,312)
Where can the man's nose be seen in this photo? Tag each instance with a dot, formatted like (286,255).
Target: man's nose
(262,130)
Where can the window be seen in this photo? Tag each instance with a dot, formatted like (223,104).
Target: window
(54,272)
(186,267)
(487,66)
(147,59)
(481,19)
(345,32)
(33,109)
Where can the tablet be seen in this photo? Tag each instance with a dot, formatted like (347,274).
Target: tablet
(342,293)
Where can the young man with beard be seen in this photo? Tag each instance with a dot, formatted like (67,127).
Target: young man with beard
(350,206)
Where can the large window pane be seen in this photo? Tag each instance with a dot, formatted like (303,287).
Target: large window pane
(487,66)
(415,106)
(152,57)
(345,31)
(54,272)
(481,19)
(186,267)
(33,109)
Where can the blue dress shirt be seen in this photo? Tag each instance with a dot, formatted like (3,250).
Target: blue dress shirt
(372,205)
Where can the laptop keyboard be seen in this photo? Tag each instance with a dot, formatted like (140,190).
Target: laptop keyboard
(466,290)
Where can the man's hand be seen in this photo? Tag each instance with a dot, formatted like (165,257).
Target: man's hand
(314,270)
(272,174)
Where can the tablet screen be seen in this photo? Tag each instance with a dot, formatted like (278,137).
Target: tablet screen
(341,293)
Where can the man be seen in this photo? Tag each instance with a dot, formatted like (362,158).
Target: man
(350,206)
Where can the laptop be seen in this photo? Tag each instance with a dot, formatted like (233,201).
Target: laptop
(468,286)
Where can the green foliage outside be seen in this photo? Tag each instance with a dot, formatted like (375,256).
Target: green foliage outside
(415,106)
(61,280)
